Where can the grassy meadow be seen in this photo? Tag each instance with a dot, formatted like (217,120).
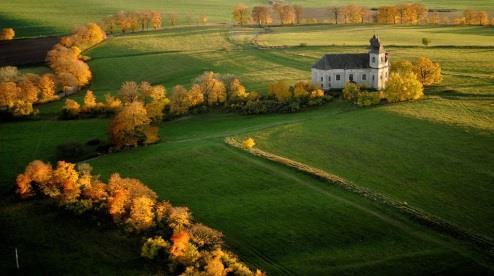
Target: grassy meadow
(435,154)
(38,18)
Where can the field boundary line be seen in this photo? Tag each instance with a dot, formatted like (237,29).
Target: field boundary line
(416,214)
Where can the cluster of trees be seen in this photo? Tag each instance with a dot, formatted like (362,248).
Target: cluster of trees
(137,122)
(226,92)
(7,34)
(91,107)
(170,233)
(402,14)
(133,21)
(472,17)
(263,15)
(65,58)
(405,83)
(140,107)
(18,92)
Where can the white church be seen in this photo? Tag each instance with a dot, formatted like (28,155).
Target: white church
(369,70)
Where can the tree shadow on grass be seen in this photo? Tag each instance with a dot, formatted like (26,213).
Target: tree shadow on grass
(26,28)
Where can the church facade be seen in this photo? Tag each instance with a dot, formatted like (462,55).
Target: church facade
(370,70)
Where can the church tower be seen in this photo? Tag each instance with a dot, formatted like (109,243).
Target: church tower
(379,63)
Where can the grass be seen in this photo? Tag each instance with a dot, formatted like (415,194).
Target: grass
(34,18)
(391,35)
(435,154)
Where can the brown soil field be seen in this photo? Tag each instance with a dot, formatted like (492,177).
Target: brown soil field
(25,51)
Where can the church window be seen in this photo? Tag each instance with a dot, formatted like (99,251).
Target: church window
(364,77)
(338,77)
(373,78)
(373,59)
(322,78)
(350,77)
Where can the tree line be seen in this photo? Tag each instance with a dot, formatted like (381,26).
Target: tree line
(139,108)
(404,13)
(19,92)
(170,234)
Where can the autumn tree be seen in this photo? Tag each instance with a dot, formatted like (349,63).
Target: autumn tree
(129,92)
(427,71)
(141,215)
(280,91)
(299,13)
(156,20)
(128,127)
(261,15)
(89,101)
(36,172)
(236,91)
(7,34)
(402,67)
(241,14)
(121,195)
(9,73)
(387,15)
(179,101)
(403,87)
(287,14)
(212,88)
(112,104)
(47,87)
(71,108)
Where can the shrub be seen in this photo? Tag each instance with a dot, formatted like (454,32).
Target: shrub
(7,34)
(154,247)
(426,41)
(351,91)
(249,143)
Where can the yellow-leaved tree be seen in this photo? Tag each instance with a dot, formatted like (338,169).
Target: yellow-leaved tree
(280,90)
(7,34)
(403,88)
(241,14)
(427,71)
(128,127)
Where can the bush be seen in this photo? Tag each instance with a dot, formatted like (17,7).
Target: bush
(249,143)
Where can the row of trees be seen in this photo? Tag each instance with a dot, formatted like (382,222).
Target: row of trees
(170,233)
(7,34)
(263,15)
(18,92)
(405,13)
(405,83)
(133,21)
(65,58)
(140,107)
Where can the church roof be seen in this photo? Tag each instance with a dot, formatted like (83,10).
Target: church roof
(342,61)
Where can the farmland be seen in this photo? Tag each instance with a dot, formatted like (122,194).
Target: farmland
(35,18)
(435,154)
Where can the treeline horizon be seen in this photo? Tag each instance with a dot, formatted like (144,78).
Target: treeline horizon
(402,13)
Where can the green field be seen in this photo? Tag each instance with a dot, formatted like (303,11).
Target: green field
(435,154)
(35,18)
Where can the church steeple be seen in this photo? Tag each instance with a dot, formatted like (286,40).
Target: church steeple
(375,45)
